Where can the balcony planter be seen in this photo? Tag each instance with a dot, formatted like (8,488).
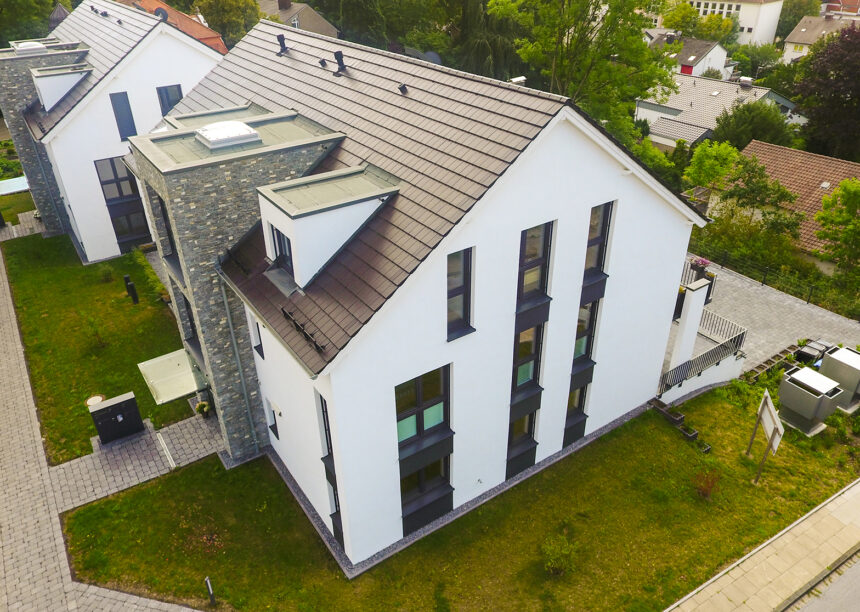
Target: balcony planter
(703,446)
(689,433)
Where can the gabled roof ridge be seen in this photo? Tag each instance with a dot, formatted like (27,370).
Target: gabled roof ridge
(801,153)
(459,73)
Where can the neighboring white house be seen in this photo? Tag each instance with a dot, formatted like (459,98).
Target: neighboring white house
(107,72)
(691,112)
(808,31)
(472,276)
(696,56)
(757,19)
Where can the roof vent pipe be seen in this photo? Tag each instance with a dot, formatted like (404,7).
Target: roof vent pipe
(323,62)
(282,41)
(338,55)
(402,87)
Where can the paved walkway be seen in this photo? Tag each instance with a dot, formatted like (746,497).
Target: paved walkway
(839,591)
(34,569)
(27,225)
(774,319)
(782,569)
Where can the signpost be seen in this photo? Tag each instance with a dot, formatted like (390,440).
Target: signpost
(773,429)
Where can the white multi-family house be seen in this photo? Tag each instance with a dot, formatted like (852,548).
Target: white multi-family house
(71,100)
(757,19)
(412,284)
(695,56)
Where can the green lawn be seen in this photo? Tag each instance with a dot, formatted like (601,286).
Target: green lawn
(15,203)
(82,335)
(642,535)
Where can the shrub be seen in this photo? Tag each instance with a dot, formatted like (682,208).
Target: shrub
(150,277)
(557,553)
(706,482)
(105,273)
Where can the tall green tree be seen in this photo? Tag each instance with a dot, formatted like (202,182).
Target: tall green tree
(783,78)
(792,12)
(750,188)
(486,41)
(716,27)
(682,17)
(360,21)
(21,19)
(840,227)
(829,92)
(757,60)
(759,120)
(711,164)
(230,18)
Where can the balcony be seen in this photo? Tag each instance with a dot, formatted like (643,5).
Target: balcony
(174,268)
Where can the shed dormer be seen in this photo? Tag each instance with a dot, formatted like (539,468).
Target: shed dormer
(306,221)
(53,83)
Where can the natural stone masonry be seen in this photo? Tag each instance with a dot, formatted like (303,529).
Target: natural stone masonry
(17,87)
(34,569)
(782,569)
(775,319)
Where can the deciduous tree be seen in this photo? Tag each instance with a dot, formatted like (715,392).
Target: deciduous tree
(711,164)
(682,17)
(757,60)
(840,222)
(792,12)
(230,18)
(750,188)
(758,120)
(21,19)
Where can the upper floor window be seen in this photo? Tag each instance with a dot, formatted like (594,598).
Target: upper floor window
(122,114)
(168,97)
(283,250)
(598,232)
(585,330)
(295,22)
(325,424)
(527,357)
(117,183)
(257,339)
(534,261)
(459,293)
(422,404)
(426,479)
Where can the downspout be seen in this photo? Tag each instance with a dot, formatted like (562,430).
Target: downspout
(239,365)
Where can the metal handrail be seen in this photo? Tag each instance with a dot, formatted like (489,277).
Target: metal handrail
(719,327)
(699,364)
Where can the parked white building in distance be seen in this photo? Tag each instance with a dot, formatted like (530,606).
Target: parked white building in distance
(757,19)
(71,101)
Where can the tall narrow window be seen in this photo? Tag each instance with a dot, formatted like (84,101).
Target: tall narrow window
(257,339)
(422,404)
(122,114)
(272,419)
(527,357)
(123,203)
(326,429)
(283,250)
(429,477)
(459,293)
(168,97)
(521,431)
(597,237)
(534,262)
(585,330)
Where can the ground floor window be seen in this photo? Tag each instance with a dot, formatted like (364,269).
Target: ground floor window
(424,480)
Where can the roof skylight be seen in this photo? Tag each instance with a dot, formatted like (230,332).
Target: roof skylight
(226,134)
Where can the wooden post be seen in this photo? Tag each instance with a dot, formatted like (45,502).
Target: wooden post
(766,451)
(755,431)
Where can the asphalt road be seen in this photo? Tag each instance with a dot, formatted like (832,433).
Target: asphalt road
(841,595)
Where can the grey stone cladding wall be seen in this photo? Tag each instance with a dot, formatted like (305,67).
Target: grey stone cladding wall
(17,91)
(210,208)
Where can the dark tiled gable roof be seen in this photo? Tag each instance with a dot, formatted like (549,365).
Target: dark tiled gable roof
(447,140)
(803,173)
(108,43)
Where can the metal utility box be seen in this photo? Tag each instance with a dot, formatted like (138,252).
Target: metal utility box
(843,366)
(807,398)
(116,417)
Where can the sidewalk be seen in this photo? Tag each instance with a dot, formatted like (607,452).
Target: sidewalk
(782,569)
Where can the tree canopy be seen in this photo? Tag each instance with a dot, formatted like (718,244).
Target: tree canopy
(840,222)
(749,187)
(829,92)
(230,18)
(757,60)
(759,120)
(711,164)
(685,18)
(20,19)
(792,12)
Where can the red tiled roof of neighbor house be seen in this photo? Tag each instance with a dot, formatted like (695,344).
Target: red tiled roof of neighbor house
(182,22)
(808,175)
(447,139)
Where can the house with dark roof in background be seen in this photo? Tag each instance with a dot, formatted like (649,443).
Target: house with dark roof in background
(696,56)
(811,177)
(410,286)
(72,99)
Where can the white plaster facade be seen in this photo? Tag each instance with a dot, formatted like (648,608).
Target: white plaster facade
(715,58)
(757,19)
(89,131)
(568,169)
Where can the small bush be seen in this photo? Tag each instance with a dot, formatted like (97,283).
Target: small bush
(837,421)
(707,482)
(150,277)
(557,554)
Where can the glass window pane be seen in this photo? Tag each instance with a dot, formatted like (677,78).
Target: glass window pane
(409,485)
(434,472)
(120,226)
(431,385)
(455,270)
(534,243)
(104,169)
(526,343)
(434,415)
(574,399)
(406,428)
(584,318)
(532,280)
(119,167)
(520,428)
(110,190)
(525,373)
(455,309)
(125,188)
(405,396)
(595,226)
(138,223)
(592,256)
(580,349)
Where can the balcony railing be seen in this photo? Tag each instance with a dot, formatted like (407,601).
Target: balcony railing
(699,364)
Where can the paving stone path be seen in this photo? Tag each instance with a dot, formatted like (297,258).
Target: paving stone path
(34,569)
(774,319)
(27,224)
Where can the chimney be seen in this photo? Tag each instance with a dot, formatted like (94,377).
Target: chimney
(283,5)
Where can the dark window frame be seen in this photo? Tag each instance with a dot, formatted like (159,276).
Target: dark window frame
(273,427)
(165,99)
(534,356)
(258,345)
(283,250)
(326,426)
(117,179)
(421,404)
(463,324)
(600,240)
(579,406)
(123,115)
(542,262)
(528,437)
(425,486)
(588,332)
